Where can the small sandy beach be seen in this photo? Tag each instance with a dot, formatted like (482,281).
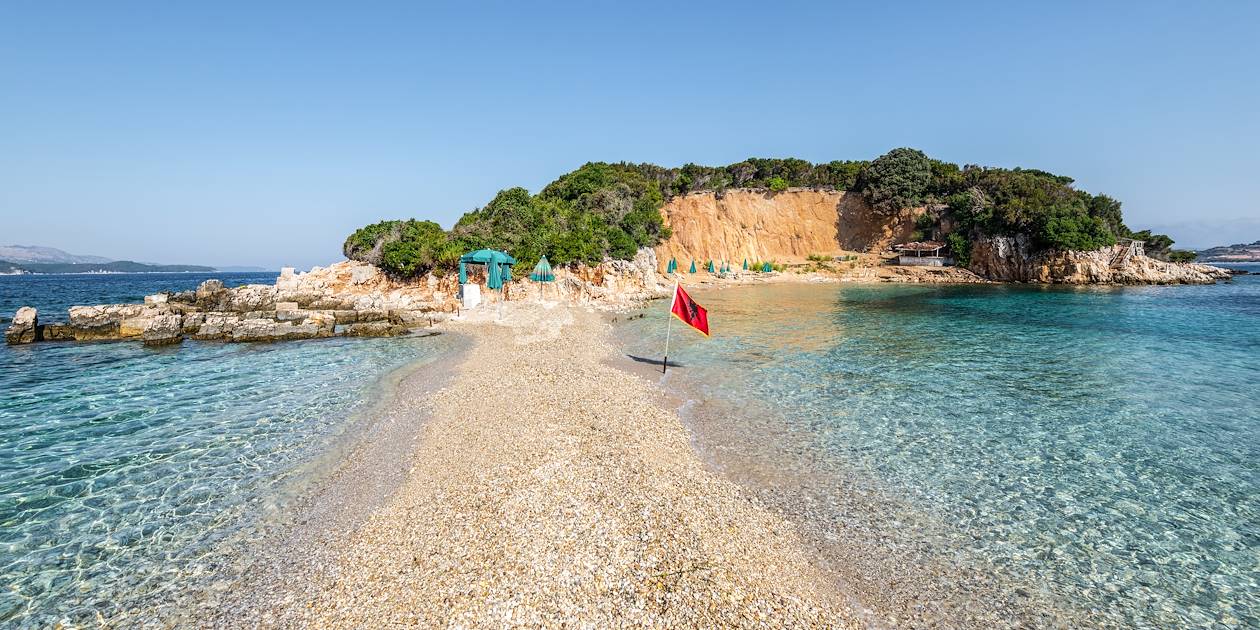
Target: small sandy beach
(547,487)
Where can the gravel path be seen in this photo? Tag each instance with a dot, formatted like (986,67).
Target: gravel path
(551,489)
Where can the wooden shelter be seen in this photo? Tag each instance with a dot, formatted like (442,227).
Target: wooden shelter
(922,253)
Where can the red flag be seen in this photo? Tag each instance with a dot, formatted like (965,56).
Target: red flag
(690,313)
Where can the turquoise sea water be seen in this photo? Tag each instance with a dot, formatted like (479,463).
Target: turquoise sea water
(124,468)
(1100,443)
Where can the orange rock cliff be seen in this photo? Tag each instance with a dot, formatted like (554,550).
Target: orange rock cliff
(786,226)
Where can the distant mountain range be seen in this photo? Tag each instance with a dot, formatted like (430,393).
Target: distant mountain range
(1241,252)
(36,254)
(34,259)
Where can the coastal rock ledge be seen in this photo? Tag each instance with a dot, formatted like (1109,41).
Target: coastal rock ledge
(1014,259)
(347,299)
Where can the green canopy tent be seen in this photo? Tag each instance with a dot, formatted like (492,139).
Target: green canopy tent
(498,266)
(542,271)
(693,266)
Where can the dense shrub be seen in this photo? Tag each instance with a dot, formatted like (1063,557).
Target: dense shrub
(403,248)
(898,179)
(1025,201)
(960,247)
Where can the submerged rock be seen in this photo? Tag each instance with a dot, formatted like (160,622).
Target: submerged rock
(24,327)
(375,329)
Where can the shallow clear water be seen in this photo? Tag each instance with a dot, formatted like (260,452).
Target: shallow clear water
(122,468)
(1101,442)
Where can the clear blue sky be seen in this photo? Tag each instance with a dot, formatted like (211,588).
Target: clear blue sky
(231,133)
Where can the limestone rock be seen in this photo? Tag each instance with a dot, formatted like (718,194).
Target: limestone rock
(132,327)
(374,329)
(216,326)
(208,291)
(1014,259)
(56,332)
(192,322)
(103,314)
(271,330)
(105,321)
(163,329)
(156,299)
(24,326)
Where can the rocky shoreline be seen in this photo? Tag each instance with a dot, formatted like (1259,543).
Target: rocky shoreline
(355,299)
(347,299)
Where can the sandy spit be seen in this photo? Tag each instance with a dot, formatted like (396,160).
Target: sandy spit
(548,488)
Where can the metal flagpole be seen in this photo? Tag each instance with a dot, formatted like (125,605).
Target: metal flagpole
(669,326)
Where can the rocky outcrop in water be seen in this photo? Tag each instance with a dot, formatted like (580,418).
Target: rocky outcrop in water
(24,326)
(1014,259)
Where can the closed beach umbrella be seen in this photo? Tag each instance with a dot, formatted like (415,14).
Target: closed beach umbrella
(767,268)
(507,273)
(673,265)
(494,276)
(710,266)
(693,266)
(463,274)
(745,264)
(542,271)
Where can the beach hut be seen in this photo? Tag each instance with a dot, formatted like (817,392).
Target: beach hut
(925,254)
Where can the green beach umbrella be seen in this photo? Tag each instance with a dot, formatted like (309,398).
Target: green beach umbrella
(745,264)
(542,271)
(673,266)
(693,266)
(507,273)
(767,268)
(710,266)
(463,274)
(494,276)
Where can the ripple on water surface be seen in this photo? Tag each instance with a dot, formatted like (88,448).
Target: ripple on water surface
(1102,442)
(122,467)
